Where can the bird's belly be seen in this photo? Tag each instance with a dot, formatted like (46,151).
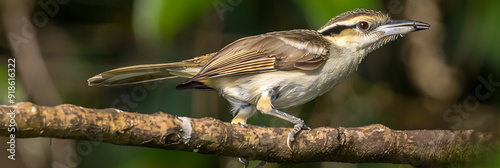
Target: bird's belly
(295,96)
(290,88)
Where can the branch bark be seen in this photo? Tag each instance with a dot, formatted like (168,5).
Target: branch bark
(373,143)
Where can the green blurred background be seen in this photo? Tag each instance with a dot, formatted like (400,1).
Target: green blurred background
(426,80)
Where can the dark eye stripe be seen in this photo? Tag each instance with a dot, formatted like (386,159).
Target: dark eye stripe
(336,29)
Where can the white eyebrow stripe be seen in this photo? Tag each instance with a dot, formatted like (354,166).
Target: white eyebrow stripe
(345,23)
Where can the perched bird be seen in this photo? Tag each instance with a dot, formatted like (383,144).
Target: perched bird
(276,70)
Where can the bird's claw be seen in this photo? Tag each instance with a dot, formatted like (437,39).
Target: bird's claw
(305,127)
(244,162)
(296,129)
(243,125)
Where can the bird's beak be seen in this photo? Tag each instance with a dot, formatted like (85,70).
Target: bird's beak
(402,27)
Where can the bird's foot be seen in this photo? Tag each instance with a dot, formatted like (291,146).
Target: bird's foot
(242,124)
(296,129)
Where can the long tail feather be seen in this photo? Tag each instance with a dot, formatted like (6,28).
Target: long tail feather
(150,72)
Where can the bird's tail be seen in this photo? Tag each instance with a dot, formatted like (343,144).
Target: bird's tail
(150,72)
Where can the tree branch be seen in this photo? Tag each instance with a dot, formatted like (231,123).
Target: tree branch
(373,143)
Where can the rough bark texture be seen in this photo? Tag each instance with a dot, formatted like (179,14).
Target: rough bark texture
(373,143)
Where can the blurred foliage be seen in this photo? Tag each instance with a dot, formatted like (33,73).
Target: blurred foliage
(19,94)
(88,37)
(318,12)
(168,17)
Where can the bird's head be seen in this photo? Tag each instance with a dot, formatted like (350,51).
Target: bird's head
(366,30)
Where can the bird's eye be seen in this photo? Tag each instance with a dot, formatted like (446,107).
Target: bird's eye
(363,25)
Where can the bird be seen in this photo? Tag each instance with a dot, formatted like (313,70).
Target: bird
(276,70)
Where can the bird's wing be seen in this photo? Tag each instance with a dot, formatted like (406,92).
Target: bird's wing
(285,50)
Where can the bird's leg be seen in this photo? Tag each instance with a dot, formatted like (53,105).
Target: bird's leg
(264,105)
(299,124)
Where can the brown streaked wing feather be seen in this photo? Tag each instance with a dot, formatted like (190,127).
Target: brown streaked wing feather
(285,50)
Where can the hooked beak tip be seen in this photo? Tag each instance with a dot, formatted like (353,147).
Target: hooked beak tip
(417,25)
